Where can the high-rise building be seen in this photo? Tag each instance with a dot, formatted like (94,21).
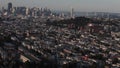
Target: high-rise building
(27,11)
(71,13)
(9,7)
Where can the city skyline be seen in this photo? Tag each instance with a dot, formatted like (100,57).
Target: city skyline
(64,5)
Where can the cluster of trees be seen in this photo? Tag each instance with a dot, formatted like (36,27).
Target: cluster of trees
(78,21)
(74,23)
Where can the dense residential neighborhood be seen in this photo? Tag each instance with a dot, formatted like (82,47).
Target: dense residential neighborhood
(40,38)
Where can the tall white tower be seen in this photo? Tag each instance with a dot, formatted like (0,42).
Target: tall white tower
(27,11)
(72,13)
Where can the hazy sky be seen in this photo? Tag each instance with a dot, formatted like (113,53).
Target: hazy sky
(78,5)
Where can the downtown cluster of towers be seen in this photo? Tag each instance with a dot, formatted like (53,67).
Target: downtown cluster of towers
(32,11)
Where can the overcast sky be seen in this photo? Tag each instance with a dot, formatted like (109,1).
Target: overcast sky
(78,5)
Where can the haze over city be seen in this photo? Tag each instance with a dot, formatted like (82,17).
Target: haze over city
(59,34)
(64,5)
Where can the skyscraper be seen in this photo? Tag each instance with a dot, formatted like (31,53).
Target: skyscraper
(9,7)
(71,13)
(27,11)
